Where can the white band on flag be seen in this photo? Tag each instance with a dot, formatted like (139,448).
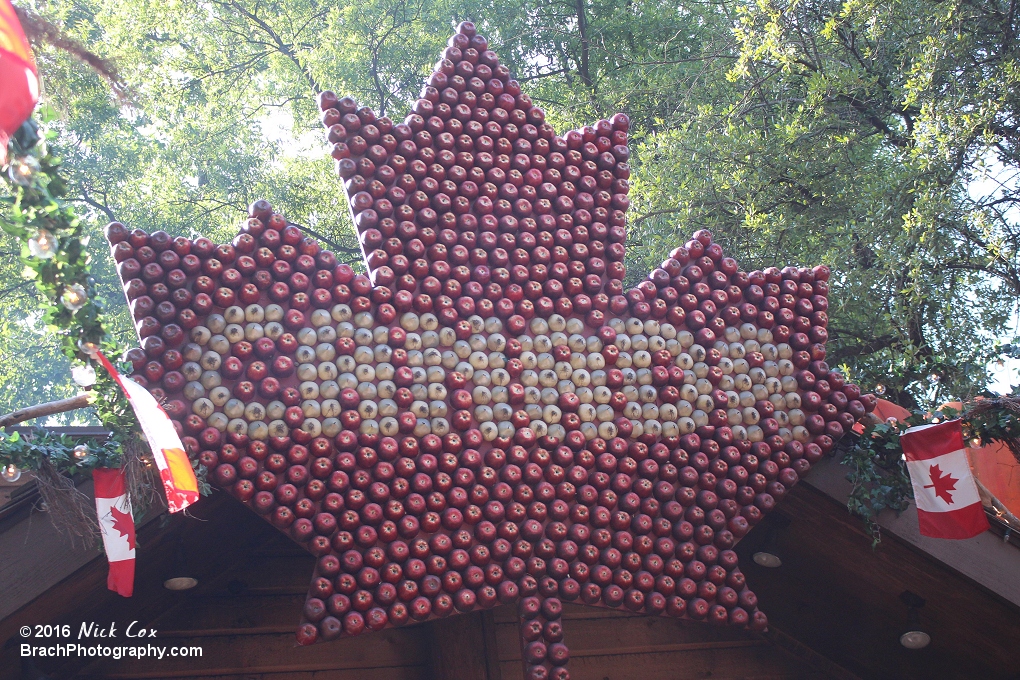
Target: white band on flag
(951,468)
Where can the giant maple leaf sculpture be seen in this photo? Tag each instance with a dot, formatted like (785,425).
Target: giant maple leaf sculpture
(488,416)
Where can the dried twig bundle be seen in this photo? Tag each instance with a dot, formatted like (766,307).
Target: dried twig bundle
(996,419)
(72,512)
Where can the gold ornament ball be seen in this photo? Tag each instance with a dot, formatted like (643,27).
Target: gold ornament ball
(43,245)
(22,170)
(88,347)
(11,473)
(80,451)
(74,297)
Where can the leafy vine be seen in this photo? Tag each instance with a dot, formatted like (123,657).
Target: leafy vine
(53,242)
(878,474)
(66,454)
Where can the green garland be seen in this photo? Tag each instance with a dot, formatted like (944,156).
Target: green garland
(66,454)
(52,242)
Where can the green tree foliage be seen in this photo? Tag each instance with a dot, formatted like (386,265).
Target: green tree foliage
(877,138)
(880,139)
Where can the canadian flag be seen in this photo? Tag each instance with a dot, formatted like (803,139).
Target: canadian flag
(948,505)
(179,481)
(113,508)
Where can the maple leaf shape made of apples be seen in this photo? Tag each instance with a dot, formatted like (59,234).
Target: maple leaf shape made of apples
(488,417)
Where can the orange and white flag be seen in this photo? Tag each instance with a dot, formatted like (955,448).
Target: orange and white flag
(113,507)
(175,469)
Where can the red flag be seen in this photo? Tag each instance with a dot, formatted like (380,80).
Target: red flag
(20,89)
(948,505)
(118,526)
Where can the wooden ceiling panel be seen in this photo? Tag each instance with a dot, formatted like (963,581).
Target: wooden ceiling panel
(840,597)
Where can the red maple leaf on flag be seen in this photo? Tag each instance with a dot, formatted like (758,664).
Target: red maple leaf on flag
(943,483)
(124,524)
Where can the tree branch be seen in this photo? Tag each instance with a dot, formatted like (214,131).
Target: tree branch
(655,213)
(281,46)
(40,410)
(86,198)
(329,242)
